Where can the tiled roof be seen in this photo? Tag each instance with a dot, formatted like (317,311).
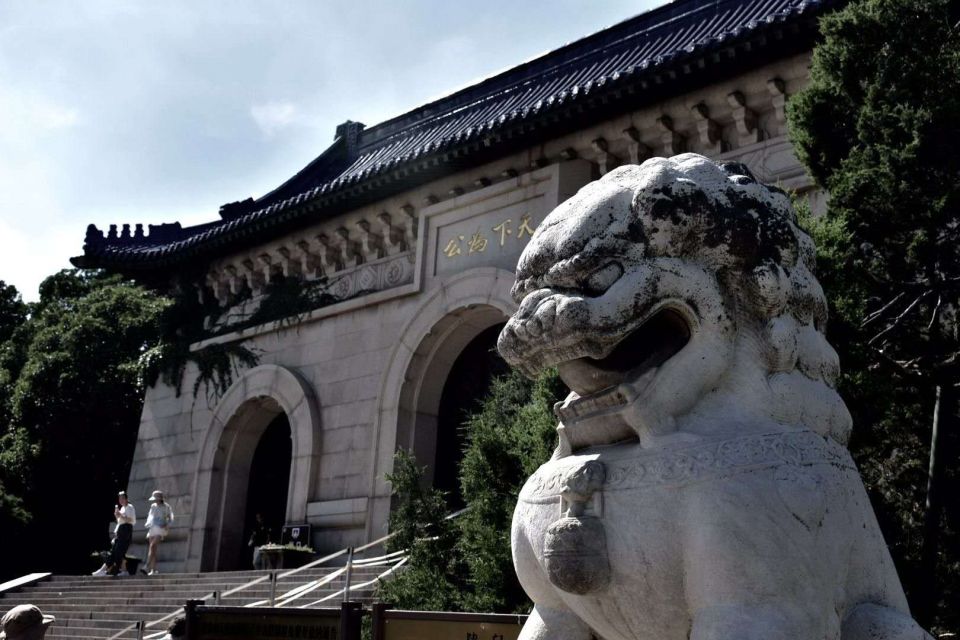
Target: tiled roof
(489,119)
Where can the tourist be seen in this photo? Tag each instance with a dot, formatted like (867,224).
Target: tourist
(25,622)
(259,537)
(158,525)
(126,516)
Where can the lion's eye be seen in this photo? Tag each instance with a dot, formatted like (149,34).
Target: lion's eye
(603,278)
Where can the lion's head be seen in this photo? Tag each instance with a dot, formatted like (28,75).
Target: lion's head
(677,295)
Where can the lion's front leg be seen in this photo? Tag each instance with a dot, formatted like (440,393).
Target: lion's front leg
(554,624)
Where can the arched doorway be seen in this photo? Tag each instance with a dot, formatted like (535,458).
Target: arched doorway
(419,427)
(242,440)
(451,315)
(466,385)
(268,485)
(267,405)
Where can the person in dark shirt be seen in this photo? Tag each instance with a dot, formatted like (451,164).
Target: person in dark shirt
(259,537)
(126,517)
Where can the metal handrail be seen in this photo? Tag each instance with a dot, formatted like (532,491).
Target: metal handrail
(359,586)
(307,587)
(346,578)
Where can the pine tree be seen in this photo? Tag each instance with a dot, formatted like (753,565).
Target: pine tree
(879,127)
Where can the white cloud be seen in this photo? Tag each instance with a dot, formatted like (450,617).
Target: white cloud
(153,112)
(52,116)
(25,115)
(271,117)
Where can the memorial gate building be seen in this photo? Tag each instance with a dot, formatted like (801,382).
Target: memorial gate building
(404,237)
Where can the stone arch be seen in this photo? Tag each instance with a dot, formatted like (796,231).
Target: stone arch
(451,314)
(240,418)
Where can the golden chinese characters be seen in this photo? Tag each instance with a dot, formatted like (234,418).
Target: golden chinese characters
(478,242)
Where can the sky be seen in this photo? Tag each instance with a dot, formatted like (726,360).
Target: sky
(141,111)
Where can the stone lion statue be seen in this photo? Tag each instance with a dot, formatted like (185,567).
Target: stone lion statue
(702,487)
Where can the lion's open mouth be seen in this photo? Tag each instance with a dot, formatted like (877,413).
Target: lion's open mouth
(637,356)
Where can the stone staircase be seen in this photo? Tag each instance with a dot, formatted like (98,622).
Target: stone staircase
(89,607)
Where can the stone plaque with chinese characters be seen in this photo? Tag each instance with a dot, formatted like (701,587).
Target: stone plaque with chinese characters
(491,226)
(495,238)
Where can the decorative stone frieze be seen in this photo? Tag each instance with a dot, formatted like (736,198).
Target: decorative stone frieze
(337,252)
(350,252)
(671,141)
(371,244)
(291,267)
(778,97)
(377,276)
(638,152)
(707,129)
(394,240)
(745,119)
(330,257)
(605,160)
(409,215)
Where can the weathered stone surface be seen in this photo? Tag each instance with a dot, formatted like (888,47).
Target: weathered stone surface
(701,487)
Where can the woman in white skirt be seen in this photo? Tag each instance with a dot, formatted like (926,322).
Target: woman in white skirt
(158,524)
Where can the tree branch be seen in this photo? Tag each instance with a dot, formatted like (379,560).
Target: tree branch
(896,322)
(876,314)
(936,312)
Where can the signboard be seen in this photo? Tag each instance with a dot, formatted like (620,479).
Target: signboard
(267,623)
(494,238)
(449,630)
(439,625)
(491,226)
(296,534)
(230,623)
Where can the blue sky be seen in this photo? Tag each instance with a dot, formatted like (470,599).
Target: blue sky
(144,111)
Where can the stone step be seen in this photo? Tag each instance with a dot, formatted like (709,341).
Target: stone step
(96,624)
(89,607)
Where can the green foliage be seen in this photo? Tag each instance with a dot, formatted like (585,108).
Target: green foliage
(217,365)
(432,580)
(70,408)
(512,434)
(16,453)
(13,310)
(879,127)
(287,300)
(188,321)
(465,563)
(184,323)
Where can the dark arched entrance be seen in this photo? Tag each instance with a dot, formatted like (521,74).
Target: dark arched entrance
(255,454)
(269,482)
(467,384)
